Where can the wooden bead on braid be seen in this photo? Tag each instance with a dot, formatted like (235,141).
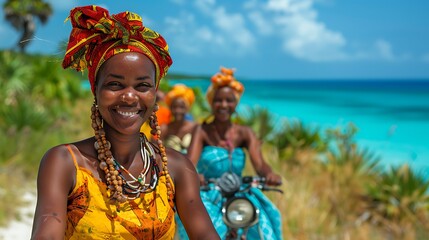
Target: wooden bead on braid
(156,132)
(114,182)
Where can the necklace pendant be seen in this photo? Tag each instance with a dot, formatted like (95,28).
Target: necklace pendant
(140,180)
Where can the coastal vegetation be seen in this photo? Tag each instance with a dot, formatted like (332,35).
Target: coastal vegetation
(333,188)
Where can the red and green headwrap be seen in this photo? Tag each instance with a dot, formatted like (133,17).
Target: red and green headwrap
(96,36)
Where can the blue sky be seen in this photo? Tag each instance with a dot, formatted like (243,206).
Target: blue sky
(271,39)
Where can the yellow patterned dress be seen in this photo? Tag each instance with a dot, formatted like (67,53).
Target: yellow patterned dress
(91,216)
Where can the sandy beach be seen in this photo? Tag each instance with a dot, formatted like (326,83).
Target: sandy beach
(21,229)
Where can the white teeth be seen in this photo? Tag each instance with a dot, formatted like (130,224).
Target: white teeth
(127,114)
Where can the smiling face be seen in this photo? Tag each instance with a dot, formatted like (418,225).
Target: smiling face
(224,104)
(125,91)
(178,108)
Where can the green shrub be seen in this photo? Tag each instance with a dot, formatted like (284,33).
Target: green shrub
(400,194)
(259,119)
(294,135)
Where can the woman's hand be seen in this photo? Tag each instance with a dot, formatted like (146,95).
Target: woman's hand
(273,179)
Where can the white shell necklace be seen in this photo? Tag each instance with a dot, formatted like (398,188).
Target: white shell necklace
(138,185)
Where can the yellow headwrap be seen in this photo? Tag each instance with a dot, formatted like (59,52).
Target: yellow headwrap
(180,91)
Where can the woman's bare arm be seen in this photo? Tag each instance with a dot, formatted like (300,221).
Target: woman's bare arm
(190,208)
(196,145)
(55,179)
(260,165)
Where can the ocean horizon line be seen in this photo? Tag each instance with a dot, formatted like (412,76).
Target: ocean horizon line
(340,79)
(197,77)
(397,85)
(311,79)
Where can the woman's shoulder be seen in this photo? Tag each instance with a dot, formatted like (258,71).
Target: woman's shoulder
(177,162)
(244,135)
(188,128)
(190,125)
(57,159)
(201,128)
(243,130)
(56,152)
(72,154)
(174,155)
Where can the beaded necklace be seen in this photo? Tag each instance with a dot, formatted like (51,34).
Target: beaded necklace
(117,184)
(225,143)
(141,186)
(148,159)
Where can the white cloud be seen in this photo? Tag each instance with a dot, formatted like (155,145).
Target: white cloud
(294,23)
(182,28)
(302,35)
(205,34)
(205,3)
(230,26)
(380,50)
(233,28)
(311,40)
(262,25)
(188,36)
(250,4)
(384,50)
(224,32)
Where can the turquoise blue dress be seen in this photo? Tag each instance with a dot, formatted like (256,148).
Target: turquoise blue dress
(213,163)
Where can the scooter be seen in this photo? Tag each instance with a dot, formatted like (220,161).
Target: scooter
(238,212)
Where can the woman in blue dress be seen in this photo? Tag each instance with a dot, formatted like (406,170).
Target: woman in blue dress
(218,147)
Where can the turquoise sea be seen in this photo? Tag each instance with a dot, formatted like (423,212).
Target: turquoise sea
(392,115)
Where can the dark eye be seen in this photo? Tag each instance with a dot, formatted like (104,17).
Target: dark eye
(231,100)
(144,86)
(114,85)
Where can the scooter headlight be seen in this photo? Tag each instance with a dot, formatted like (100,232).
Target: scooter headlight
(240,212)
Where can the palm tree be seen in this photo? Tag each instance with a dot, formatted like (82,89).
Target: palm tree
(21,13)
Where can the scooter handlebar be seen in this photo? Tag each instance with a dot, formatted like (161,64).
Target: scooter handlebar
(252,179)
(258,182)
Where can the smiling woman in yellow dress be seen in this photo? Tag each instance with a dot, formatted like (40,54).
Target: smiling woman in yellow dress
(117,184)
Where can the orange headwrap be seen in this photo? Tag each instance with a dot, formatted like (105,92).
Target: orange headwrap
(225,78)
(180,91)
(96,36)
